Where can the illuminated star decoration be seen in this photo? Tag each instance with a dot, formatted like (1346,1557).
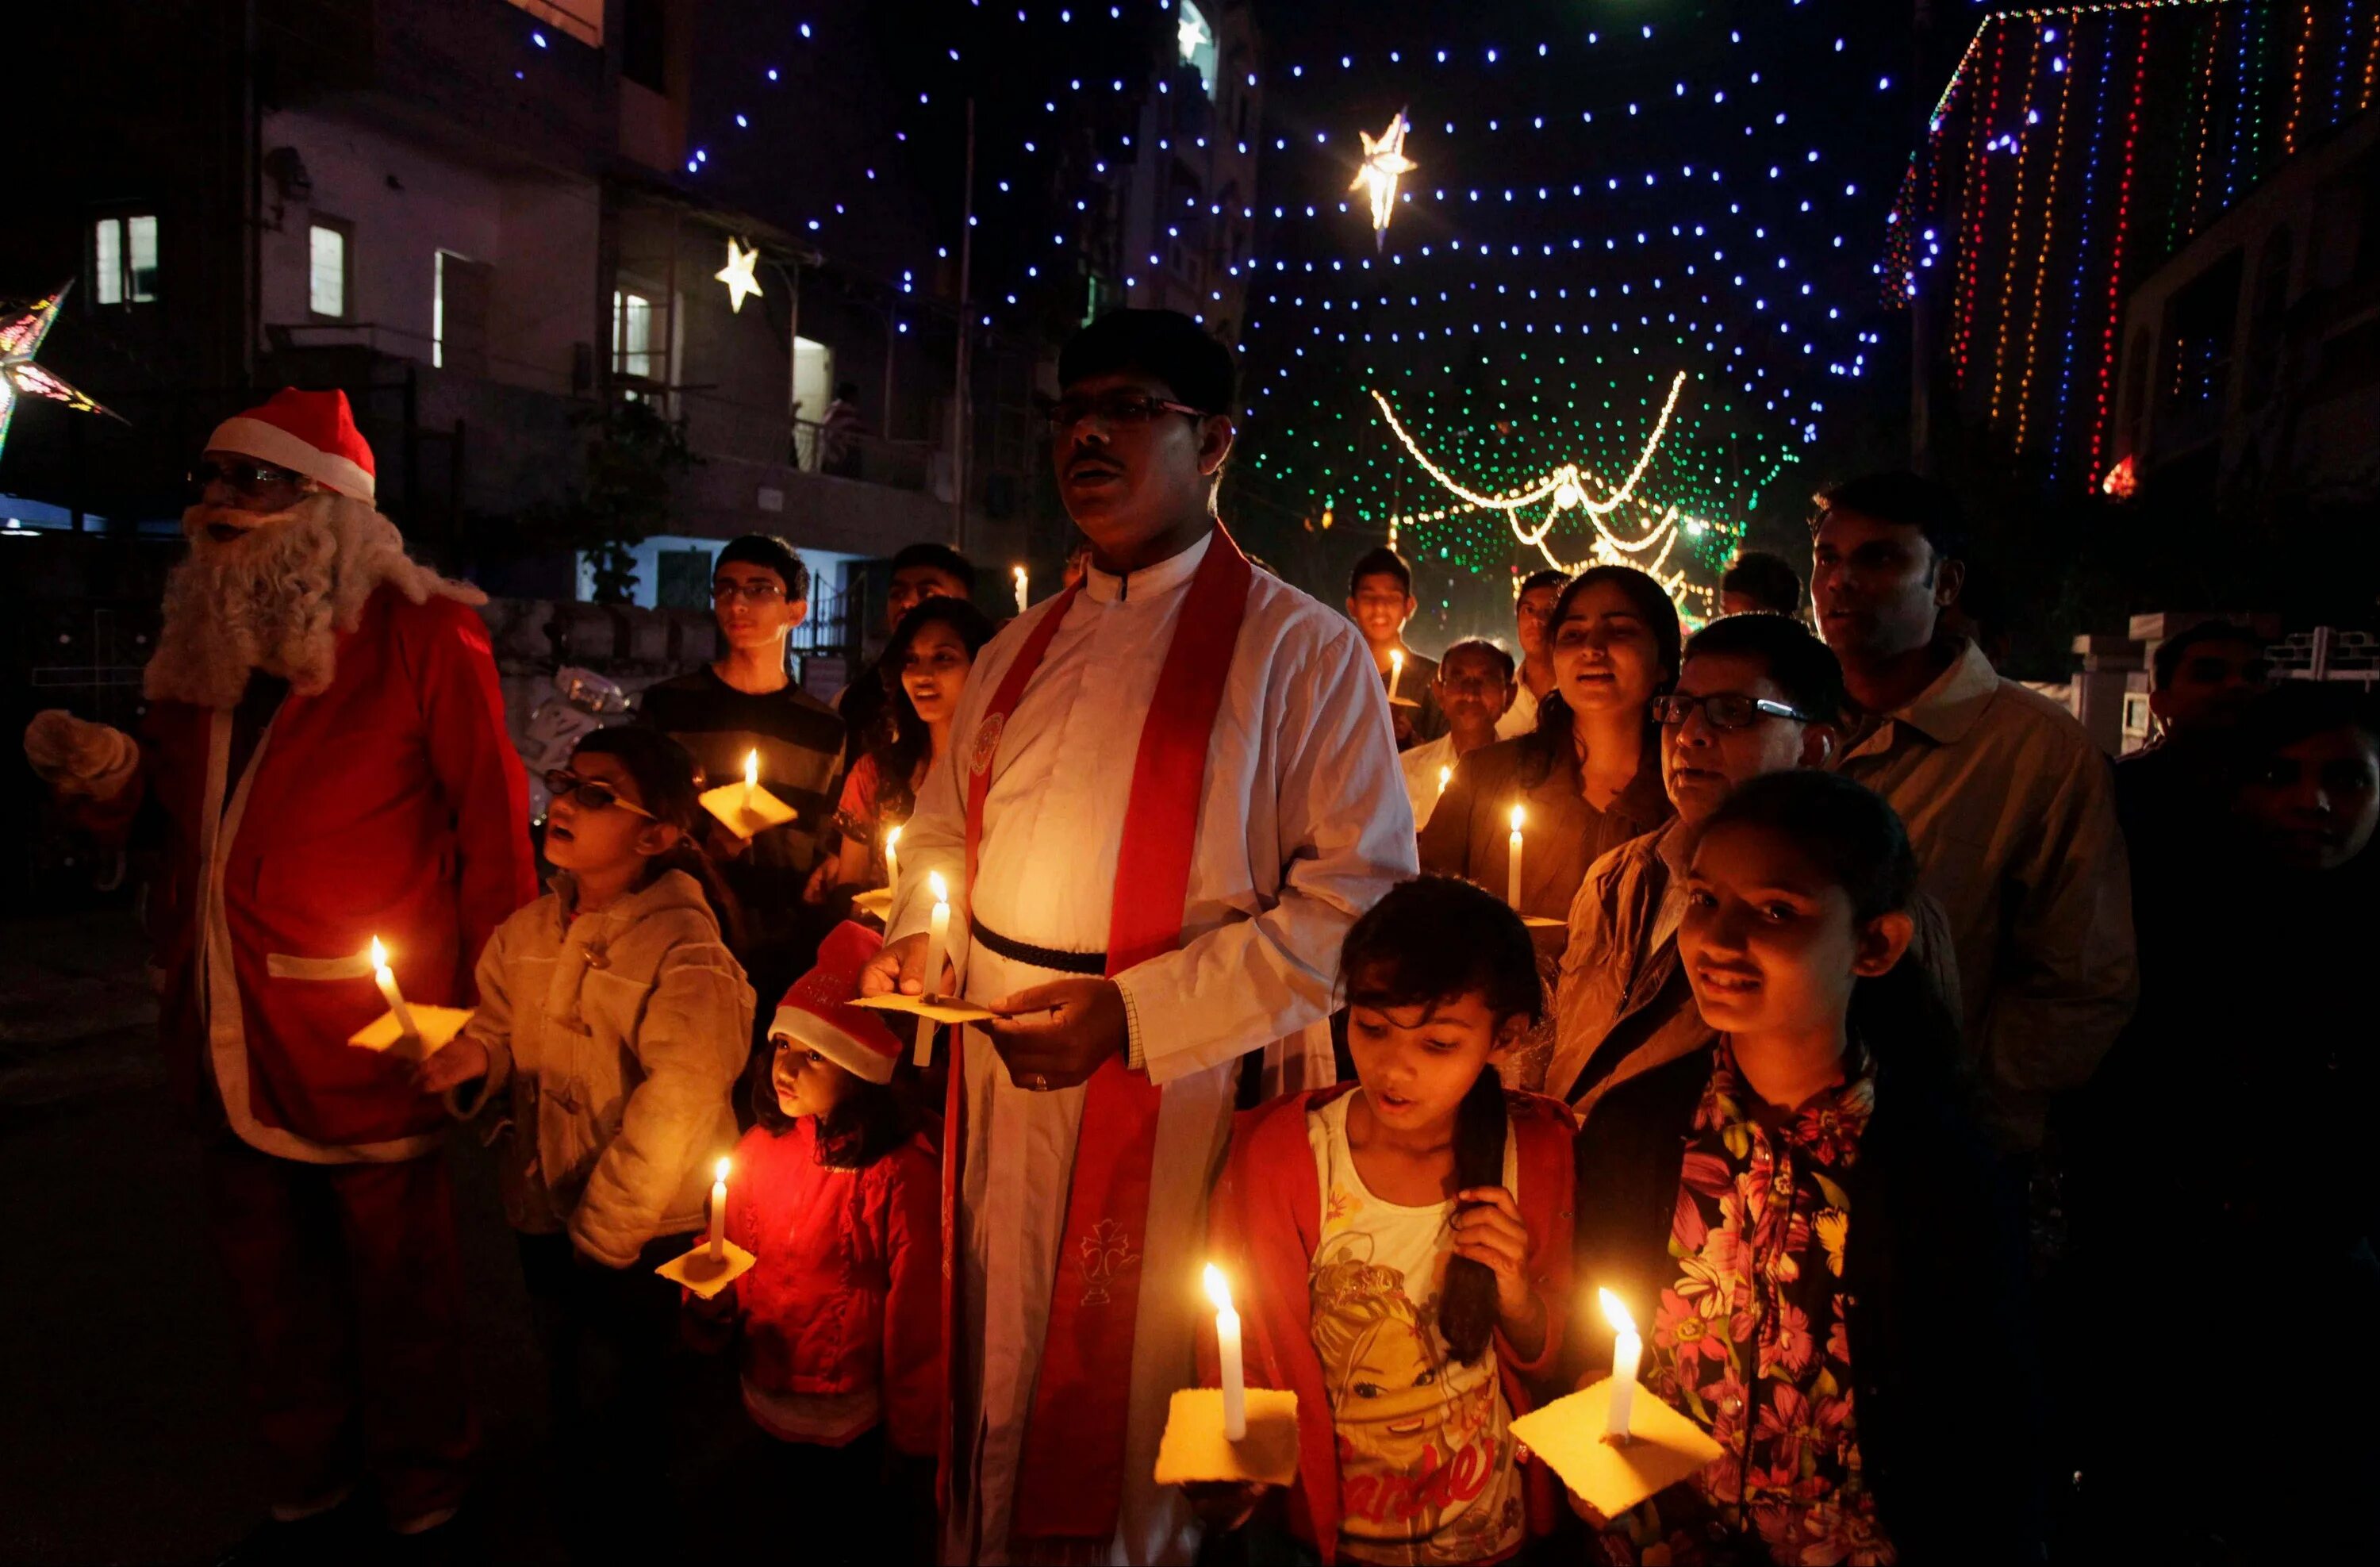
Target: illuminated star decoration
(1384,163)
(20,338)
(737,274)
(1192,34)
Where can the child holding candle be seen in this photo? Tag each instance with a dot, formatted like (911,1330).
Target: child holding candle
(613,1020)
(1399,1247)
(926,665)
(1807,1223)
(838,1196)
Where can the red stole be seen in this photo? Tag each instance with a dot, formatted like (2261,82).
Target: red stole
(1070,1482)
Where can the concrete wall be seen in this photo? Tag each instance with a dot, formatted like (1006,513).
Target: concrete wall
(406,200)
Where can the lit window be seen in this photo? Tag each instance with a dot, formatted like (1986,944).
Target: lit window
(633,349)
(1196,39)
(124,260)
(582,19)
(326,271)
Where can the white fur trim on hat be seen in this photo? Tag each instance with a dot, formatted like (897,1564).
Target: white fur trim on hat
(254,438)
(805,1027)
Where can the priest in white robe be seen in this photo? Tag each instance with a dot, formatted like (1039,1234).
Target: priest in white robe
(1176,787)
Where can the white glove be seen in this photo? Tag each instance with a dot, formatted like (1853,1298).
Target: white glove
(75,757)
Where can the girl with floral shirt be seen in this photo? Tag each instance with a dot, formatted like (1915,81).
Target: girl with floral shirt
(1809,1223)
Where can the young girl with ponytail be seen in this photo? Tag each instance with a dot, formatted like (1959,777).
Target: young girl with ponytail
(613,1023)
(1400,1249)
(1806,1224)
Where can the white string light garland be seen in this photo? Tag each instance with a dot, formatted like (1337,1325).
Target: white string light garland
(1560,491)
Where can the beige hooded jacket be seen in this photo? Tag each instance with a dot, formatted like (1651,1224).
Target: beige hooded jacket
(619,1036)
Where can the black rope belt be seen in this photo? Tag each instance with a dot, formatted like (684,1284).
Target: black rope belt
(1093,964)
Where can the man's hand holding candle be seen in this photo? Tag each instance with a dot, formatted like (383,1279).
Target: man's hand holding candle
(1489,1231)
(1055,1036)
(901,968)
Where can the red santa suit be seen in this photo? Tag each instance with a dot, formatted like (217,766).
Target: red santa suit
(378,797)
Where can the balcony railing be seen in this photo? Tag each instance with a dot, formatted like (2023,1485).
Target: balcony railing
(857,454)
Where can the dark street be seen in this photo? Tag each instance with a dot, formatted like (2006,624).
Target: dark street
(144,1454)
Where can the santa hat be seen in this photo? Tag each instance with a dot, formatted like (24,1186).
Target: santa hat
(817,1011)
(309,432)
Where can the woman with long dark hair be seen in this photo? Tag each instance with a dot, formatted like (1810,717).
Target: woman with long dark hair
(1588,777)
(926,667)
(1585,780)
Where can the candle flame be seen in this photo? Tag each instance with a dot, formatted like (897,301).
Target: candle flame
(1517,814)
(1615,1313)
(1396,664)
(1445,776)
(378,953)
(720,1171)
(892,837)
(1017,572)
(1218,1289)
(751,769)
(942,892)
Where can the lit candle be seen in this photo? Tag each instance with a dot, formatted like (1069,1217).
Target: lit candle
(1625,1354)
(938,939)
(1512,873)
(1227,1340)
(1018,573)
(386,979)
(719,1212)
(1396,673)
(892,857)
(751,776)
(1445,776)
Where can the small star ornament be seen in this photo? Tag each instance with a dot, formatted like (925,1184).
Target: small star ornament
(1384,163)
(22,332)
(737,274)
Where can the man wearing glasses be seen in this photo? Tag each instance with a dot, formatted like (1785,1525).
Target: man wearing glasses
(1755,693)
(326,759)
(744,701)
(1171,791)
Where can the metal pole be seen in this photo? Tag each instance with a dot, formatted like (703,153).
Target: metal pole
(960,422)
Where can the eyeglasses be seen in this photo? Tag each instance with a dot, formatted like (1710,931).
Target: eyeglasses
(244,479)
(725,592)
(560,782)
(1725,710)
(1116,410)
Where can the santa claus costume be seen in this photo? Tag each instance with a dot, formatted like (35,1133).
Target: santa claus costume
(325,753)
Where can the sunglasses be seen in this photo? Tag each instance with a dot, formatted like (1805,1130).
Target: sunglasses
(1726,709)
(245,479)
(561,784)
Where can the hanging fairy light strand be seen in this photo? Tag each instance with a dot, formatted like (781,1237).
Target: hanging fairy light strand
(1561,491)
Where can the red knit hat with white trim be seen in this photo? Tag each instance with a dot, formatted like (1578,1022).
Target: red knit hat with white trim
(817,1011)
(309,432)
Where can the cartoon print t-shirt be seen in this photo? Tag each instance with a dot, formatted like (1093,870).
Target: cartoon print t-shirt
(1426,1468)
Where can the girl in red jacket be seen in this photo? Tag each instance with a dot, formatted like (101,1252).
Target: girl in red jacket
(837,1194)
(1402,1248)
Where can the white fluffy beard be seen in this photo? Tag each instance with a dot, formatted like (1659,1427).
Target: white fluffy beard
(276,598)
